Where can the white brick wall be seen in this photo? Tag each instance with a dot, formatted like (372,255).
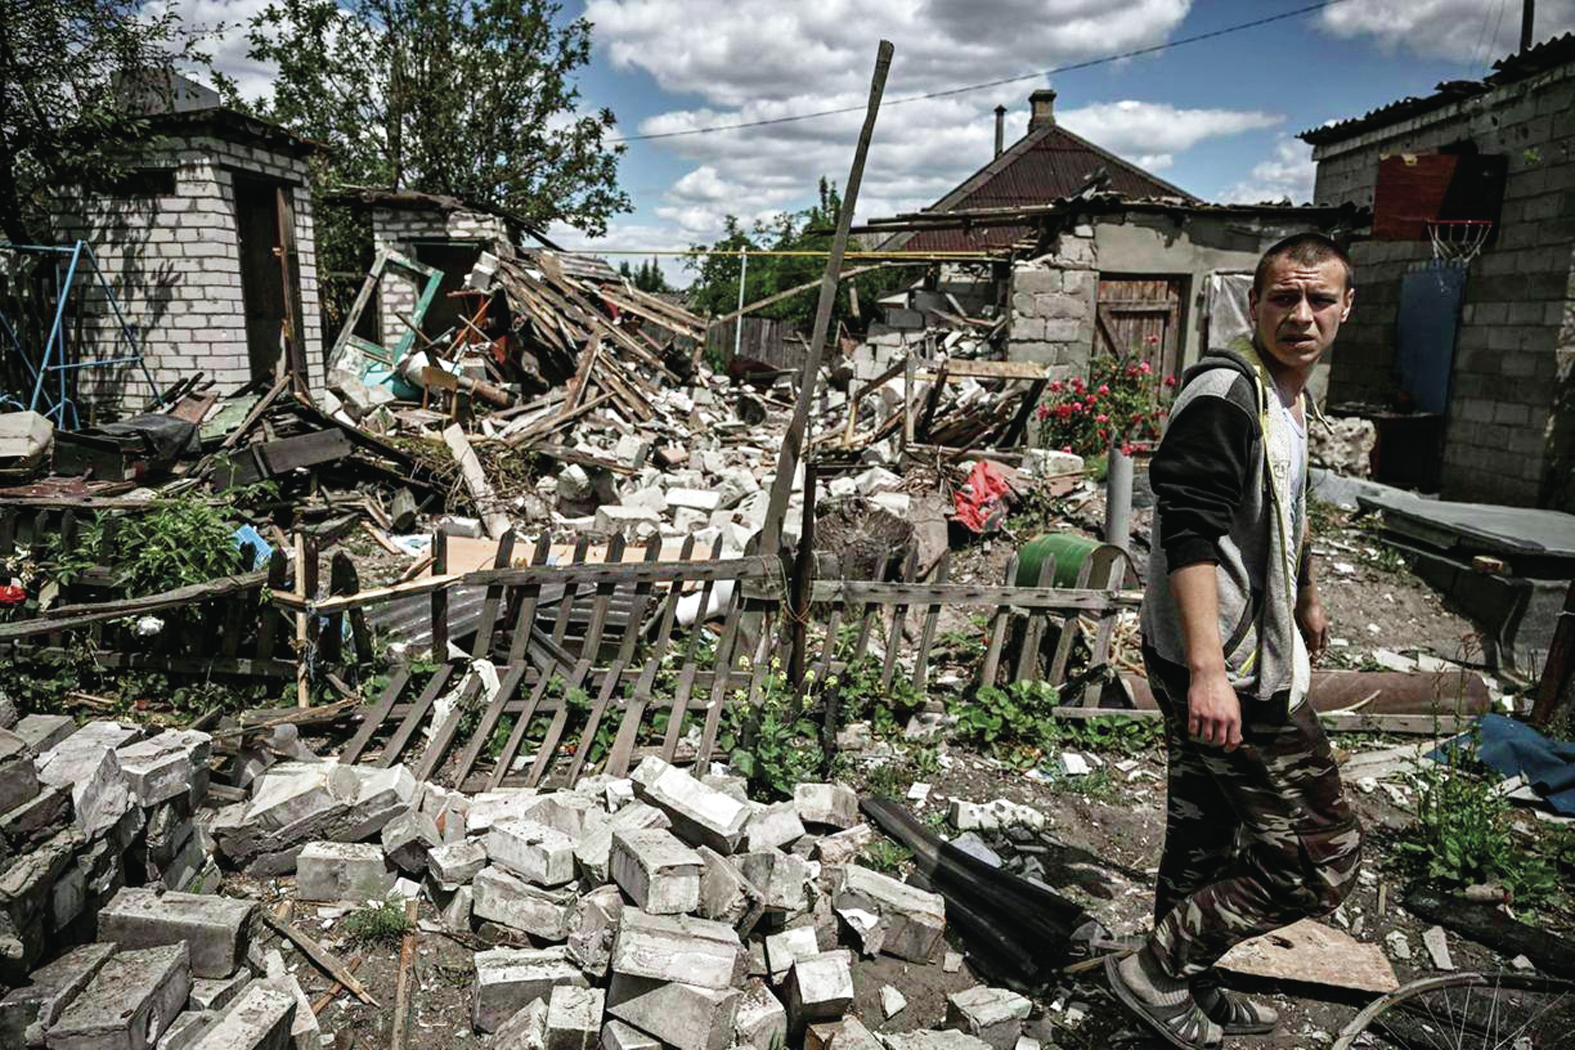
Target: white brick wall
(173,264)
(401,229)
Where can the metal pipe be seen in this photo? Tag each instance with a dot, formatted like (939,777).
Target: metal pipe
(1528,20)
(1000,129)
(738,321)
(1118,496)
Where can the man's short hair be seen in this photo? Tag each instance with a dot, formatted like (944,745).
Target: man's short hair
(1307,249)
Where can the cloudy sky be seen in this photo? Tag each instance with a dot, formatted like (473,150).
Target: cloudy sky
(1216,117)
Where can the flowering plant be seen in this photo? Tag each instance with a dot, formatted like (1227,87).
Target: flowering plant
(1123,400)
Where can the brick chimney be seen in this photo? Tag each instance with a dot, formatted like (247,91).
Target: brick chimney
(1041,108)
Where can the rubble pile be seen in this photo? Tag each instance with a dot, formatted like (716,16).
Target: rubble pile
(660,909)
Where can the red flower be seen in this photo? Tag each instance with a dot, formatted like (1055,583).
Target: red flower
(1170,380)
(1144,368)
(1137,417)
(1077,383)
(1066,448)
(1042,412)
(1104,389)
(1101,418)
(1151,340)
(1055,386)
(1126,448)
(1132,373)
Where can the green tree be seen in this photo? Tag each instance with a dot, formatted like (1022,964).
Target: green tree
(810,230)
(64,122)
(470,98)
(649,278)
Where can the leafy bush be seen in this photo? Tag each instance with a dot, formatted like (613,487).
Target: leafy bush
(1014,722)
(179,541)
(1122,399)
(378,922)
(774,746)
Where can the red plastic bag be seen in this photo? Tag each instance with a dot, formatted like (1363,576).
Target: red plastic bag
(12,595)
(981,504)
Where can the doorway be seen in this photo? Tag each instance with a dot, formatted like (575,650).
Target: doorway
(270,289)
(1140,318)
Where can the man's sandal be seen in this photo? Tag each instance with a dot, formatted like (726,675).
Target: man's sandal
(1235,1014)
(1183,1026)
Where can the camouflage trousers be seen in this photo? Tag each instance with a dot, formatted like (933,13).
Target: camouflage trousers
(1255,838)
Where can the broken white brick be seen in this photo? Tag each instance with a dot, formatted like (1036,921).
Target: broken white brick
(618,1036)
(760,1022)
(787,947)
(592,928)
(819,988)
(574,1017)
(994,1015)
(214,930)
(526,1029)
(725,894)
(452,866)
(993,816)
(892,1002)
(407,840)
(659,873)
(842,847)
(507,979)
(701,816)
(539,854)
(170,765)
(774,827)
(907,922)
(677,948)
(342,871)
(594,850)
(831,804)
(133,992)
(781,878)
(504,899)
(683,1016)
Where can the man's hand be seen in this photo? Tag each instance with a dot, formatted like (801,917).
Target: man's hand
(1312,621)
(1214,710)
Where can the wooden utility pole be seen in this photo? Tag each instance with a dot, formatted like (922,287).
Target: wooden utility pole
(793,442)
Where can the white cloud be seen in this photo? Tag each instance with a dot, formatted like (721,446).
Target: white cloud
(1286,175)
(226,21)
(1153,129)
(1470,31)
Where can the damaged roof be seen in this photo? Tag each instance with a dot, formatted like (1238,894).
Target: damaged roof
(1550,54)
(1048,164)
(232,125)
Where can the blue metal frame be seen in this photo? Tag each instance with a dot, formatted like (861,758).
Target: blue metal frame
(56,357)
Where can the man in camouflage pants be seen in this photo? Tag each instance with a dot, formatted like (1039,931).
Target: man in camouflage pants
(1258,831)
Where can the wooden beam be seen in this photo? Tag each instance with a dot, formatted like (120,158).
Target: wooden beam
(65,617)
(1339,721)
(858,592)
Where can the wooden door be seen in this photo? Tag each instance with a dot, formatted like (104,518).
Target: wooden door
(1140,318)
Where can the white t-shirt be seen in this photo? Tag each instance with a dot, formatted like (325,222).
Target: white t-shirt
(1288,456)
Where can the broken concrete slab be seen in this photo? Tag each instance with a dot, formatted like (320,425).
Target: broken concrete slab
(43,732)
(454,865)
(677,948)
(593,927)
(128,1004)
(658,872)
(525,1030)
(787,947)
(725,895)
(215,929)
(774,827)
(343,871)
(701,816)
(171,765)
(187,1028)
(215,993)
(995,1015)
(499,896)
(842,847)
(781,878)
(18,775)
(574,1018)
(408,838)
(946,1039)
(995,815)
(619,1036)
(684,1016)
(100,795)
(508,979)
(760,1022)
(541,855)
(593,852)
(834,805)
(1311,952)
(50,989)
(819,988)
(889,916)
(260,1018)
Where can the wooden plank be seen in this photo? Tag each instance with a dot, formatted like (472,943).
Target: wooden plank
(373,718)
(1338,721)
(1034,629)
(921,665)
(530,596)
(330,648)
(599,605)
(64,618)
(489,604)
(629,728)
(443,733)
(829,649)
(686,674)
(319,955)
(508,685)
(1017,431)
(899,617)
(439,598)
(642,605)
(593,722)
(961,368)
(1063,649)
(724,662)
(272,458)
(1100,654)
(549,744)
(859,592)
(999,625)
(560,627)
(412,720)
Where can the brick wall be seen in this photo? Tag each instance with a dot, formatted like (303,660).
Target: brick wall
(1511,419)
(1052,304)
(173,264)
(401,229)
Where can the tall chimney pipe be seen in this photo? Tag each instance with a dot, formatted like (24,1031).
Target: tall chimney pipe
(1000,129)
(1528,19)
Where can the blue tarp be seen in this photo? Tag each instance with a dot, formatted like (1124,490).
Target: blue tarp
(1516,749)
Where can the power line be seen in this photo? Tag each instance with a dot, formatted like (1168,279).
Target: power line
(1072,68)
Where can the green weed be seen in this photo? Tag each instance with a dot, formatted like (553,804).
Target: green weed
(378,922)
(885,856)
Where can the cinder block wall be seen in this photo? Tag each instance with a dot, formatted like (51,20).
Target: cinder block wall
(174,266)
(401,229)
(1510,432)
(1052,304)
